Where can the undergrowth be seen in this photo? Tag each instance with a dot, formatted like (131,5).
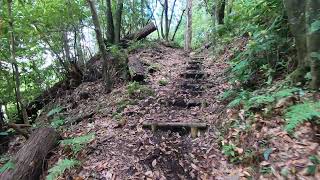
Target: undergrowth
(301,113)
(59,168)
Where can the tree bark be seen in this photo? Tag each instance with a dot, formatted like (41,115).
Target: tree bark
(166,20)
(313,41)
(118,21)
(178,25)
(188,31)
(220,7)
(136,69)
(106,69)
(29,161)
(110,28)
(15,63)
(141,34)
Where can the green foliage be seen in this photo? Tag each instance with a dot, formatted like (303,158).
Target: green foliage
(315,26)
(61,167)
(301,113)
(312,168)
(54,111)
(57,122)
(7,166)
(77,143)
(240,99)
(163,82)
(136,90)
(229,150)
(258,101)
(122,104)
(252,100)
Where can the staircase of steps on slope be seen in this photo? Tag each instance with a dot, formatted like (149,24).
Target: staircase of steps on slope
(189,92)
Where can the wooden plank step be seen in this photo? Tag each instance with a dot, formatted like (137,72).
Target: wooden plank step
(193,74)
(197,57)
(194,127)
(194,62)
(194,67)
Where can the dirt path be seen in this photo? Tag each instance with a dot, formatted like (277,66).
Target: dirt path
(186,90)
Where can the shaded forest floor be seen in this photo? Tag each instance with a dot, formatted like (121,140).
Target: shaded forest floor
(123,149)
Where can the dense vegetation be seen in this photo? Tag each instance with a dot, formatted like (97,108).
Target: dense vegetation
(272,48)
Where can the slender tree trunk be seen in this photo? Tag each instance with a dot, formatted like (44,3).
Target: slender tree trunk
(161,24)
(66,46)
(178,25)
(118,21)
(106,65)
(313,41)
(188,31)
(110,28)
(172,13)
(15,64)
(230,4)
(166,20)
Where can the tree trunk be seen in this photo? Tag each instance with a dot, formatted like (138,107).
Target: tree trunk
(106,74)
(110,25)
(136,69)
(178,25)
(188,32)
(141,34)
(15,64)
(4,139)
(166,20)
(220,7)
(118,21)
(313,41)
(29,161)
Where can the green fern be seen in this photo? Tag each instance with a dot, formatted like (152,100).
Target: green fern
(77,143)
(285,93)
(7,166)
(54,111)
(301,113)
(240,99)
(60,167)
(258,101)
(57,122)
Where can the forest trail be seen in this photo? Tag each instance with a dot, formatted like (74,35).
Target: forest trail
(123,149)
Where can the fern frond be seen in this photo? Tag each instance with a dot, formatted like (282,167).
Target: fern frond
(285,93)
(77,143)
(60,167)
(54,111)
(301,113)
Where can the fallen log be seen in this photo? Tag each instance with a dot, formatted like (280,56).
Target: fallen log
(29,161)
(136,69)
(137,36)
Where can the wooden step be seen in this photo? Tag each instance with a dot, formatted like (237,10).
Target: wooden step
(194,67)
(197,58)
(194,62)
(185,103)
(192,87)
(194,127)
(193,74)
